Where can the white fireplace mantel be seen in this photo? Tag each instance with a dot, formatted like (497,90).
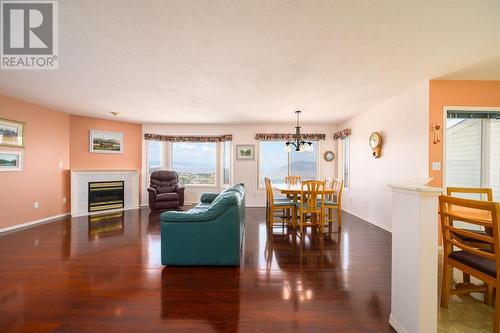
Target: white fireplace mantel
(79,188)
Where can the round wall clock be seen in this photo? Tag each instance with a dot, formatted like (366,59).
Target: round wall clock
(329,156)
(376,144)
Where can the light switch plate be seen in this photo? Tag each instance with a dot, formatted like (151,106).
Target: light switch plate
(436,166)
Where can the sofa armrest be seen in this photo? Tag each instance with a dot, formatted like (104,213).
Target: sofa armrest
(208,197)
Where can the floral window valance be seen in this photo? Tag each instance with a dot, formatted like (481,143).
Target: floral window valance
(288,137)
(342,134)
(188,138)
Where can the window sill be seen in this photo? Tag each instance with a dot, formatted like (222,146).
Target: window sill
(198,185)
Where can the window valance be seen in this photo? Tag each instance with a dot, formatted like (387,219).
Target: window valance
(288,136)
(188,138)
(342,134)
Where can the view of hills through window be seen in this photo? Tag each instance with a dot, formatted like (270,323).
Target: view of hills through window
(194,162)
(276,163)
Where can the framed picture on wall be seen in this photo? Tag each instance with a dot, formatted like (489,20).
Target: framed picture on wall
(11,160)
(104,142)
(245,152)
(12,133)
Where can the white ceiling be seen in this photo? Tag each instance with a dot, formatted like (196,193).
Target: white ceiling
(189,61)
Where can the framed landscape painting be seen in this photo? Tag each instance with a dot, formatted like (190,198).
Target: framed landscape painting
(245,152)
(106,142)
(12,133)
(11,160)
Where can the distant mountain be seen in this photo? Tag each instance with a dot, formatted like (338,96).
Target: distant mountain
(193,167)
(303,165)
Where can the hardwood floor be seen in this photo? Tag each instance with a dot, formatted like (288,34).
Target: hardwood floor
(76,275)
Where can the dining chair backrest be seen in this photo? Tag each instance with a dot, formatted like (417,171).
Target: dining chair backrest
(338,187)
(312,195)
(292,180)
(328,183)
(473,212)
(483,193)
(269,191)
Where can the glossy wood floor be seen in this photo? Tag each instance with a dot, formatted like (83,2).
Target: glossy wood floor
(104,275)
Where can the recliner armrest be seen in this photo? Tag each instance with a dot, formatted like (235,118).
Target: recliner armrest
(151,190)
(180,191)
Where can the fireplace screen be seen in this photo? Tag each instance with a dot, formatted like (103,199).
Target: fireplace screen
(105,195)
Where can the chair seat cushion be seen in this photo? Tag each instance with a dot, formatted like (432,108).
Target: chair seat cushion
(330,202)
(167,197)
(482,264)
(283,203)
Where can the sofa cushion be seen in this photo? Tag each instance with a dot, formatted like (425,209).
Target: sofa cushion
(235,188)
(167,197)
(208,197)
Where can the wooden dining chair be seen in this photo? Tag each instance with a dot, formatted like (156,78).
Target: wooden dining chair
(483,264)
(278,205)
(484,194)
(311,203)
(292,180)
(334,201)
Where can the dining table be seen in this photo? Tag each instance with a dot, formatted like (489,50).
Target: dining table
(294,191)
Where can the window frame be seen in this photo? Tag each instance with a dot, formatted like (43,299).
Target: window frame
(260,185)
(223,162)
(148,157)
(217,154)
(346,142)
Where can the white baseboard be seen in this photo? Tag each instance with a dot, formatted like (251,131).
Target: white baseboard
(396,325)
(29,224)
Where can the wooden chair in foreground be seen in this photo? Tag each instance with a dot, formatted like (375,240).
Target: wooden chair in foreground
(334,201)
(278,205)
(311,203)
(470,190)
(484,194)
(480,263)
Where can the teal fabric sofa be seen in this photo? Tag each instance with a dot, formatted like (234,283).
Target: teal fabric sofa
(209,234)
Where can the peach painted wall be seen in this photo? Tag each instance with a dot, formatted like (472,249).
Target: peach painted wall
(82,159)
(42,180)
(455,93)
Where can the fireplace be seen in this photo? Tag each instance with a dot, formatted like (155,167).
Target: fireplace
(106,195)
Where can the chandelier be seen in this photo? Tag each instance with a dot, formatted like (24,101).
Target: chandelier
(299,144)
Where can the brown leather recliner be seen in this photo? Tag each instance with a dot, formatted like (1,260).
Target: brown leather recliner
(164,191)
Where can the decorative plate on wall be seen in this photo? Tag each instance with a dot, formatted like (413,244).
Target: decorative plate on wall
(329,156)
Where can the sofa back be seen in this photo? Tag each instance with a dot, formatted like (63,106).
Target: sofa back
(164,181)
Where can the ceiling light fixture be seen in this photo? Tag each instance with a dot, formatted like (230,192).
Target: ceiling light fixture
(299,144)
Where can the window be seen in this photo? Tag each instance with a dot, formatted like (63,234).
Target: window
(473,150)
(195,162)
(305,163)
(154,155)
(275,163)
(226,163)
(345,162)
